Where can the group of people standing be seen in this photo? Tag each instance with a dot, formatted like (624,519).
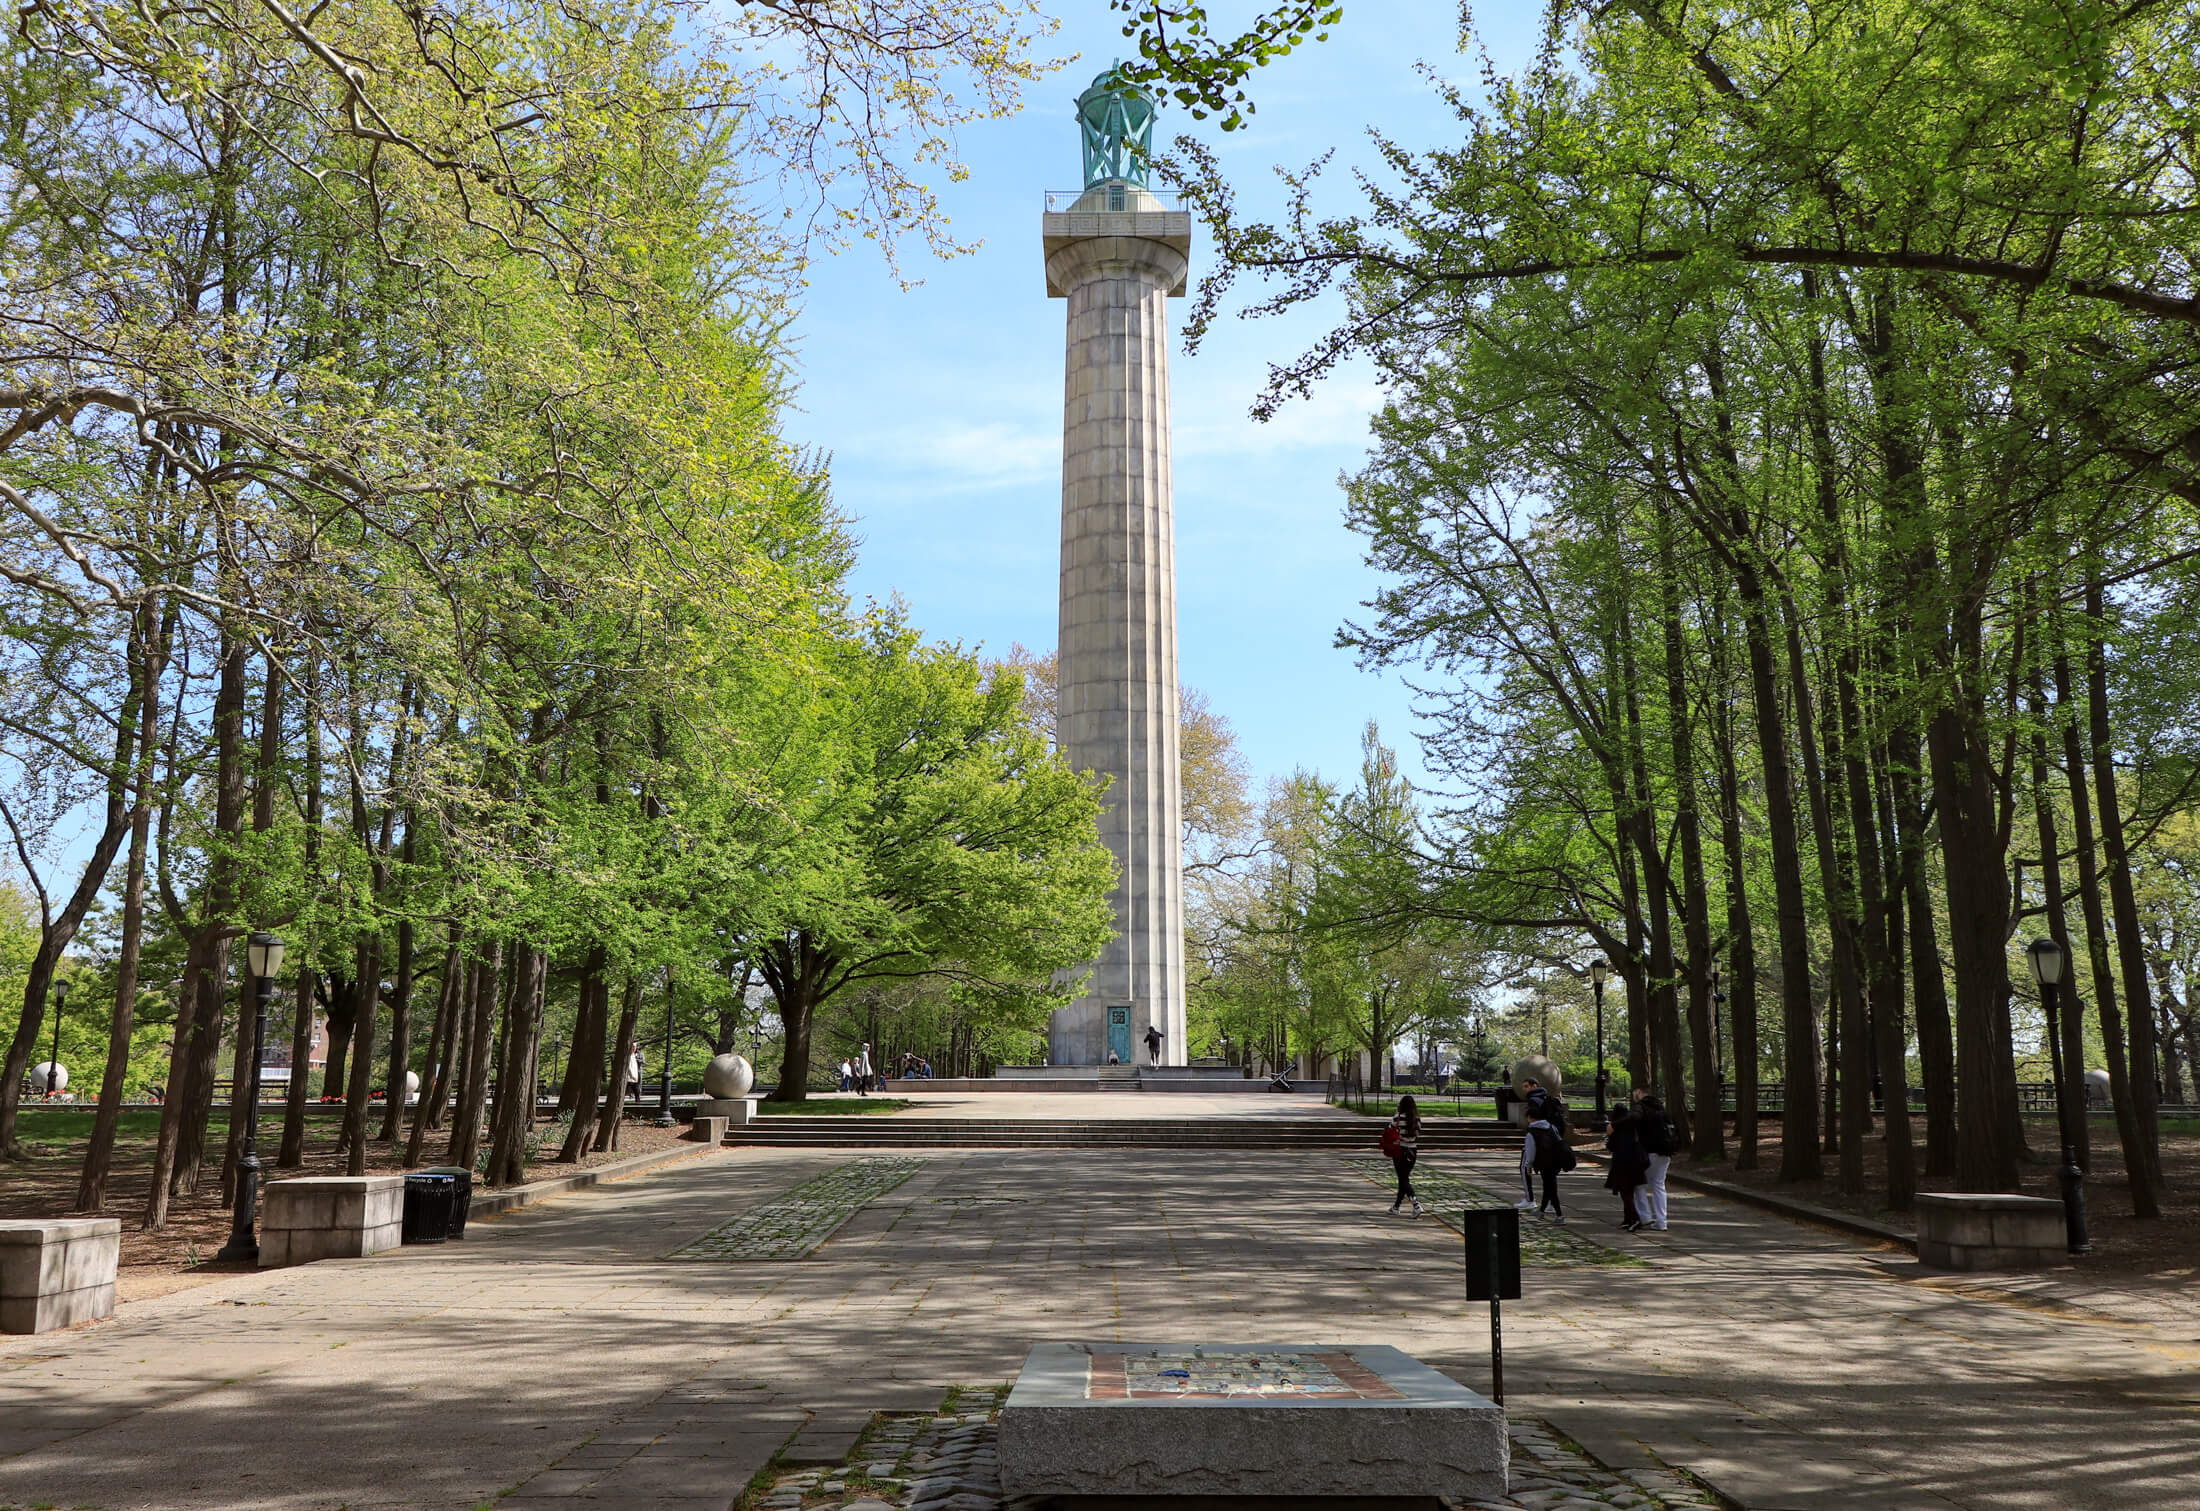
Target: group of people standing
(855,1072)
(1639,1138)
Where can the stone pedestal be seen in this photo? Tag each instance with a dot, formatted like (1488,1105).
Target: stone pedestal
(1989,1231)
(330,1217)
(1100,1425)
(737,1111)
(54,1273)
(1116,255)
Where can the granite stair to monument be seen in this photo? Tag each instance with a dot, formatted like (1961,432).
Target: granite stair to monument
(1353,1135)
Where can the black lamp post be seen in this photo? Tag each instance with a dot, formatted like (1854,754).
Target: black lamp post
(1598,969)
(1718,1032)
(264,958)
(664,1089)
(2046,958)
(60,991)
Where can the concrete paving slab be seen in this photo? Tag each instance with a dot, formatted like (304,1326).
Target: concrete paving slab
(451,1375)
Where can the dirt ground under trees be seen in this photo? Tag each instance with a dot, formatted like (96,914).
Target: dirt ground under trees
(182,1252)
(2168,1247)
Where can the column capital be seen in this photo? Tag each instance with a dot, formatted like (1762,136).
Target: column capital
(1155,246)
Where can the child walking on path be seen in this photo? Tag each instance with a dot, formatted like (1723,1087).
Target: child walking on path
(1402,1140)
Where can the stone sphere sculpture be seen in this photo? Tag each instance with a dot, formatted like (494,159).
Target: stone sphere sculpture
(2096,1086)
(44,1068)
(728,1076)
(1541,1071)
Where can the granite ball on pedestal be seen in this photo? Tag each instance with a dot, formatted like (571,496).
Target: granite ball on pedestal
(44,1068)
(728,1076)
(1540,1070)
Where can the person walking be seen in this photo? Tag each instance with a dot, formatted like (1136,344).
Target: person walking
(1402,1142)
(1629,1164)
(1656,1130)
(1553,1154)
(863,1070)
(1532,1096)
(1153,1044)
(847,1073)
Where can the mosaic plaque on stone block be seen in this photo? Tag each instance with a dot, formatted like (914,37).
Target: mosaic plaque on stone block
(1179,1425)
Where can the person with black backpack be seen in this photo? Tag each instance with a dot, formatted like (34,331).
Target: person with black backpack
(1658,1144)
(1623,1139)
(1553,1154)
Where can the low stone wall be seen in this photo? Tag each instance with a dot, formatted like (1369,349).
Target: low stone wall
(707,1130)
(1988,1231)
(58,1272)
(330,1217)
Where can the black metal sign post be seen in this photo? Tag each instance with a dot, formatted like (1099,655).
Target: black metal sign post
(1493,1275)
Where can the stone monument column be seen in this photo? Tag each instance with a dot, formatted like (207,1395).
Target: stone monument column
(1116,254)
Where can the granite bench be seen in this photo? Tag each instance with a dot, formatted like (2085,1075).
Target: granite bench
(1989,1231)
(57,1272)
(708,1130)
(330,1217)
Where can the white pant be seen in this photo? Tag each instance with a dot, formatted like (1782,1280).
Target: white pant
(1650,1200)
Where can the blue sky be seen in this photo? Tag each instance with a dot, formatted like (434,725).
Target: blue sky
(941,406)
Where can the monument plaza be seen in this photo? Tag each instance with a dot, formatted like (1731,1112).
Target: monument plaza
(685,1337)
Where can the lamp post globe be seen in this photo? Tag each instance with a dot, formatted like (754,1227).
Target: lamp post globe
(263,954)
(2046,958)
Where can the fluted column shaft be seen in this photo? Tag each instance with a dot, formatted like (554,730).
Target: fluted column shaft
(1117,696)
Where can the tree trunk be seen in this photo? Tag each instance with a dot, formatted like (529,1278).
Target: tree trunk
(359,1087)
(614,1107)
(515,1099)
(588,1051)
(1708,1141)
(1846,1033)
(426,1111)
(2068,999)
(2143,1200)
(172,1097)
(1936,1045)
(91,1193)
(1741,946)
(292,1154)
(795,971)
(58,932)
(309,976)
(1664,1002)
(478,1009)
(400,1052)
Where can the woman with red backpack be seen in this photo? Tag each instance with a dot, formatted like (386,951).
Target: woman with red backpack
(1402,1142)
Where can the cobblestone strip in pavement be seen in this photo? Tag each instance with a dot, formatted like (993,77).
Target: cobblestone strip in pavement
(942,1462)
(948,1463)
(1542,1243)
(792,1225)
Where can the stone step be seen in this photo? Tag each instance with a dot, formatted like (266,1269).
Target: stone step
(1212,1133)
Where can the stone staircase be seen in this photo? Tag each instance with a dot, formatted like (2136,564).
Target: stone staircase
(1351,1135)
(1118,1077)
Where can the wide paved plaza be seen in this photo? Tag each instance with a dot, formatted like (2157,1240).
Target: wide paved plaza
(561,1355)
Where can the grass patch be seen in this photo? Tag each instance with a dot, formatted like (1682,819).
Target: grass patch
(1430,1108)
(834,1107)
